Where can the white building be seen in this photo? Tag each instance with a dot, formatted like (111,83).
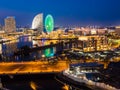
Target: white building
(38,22)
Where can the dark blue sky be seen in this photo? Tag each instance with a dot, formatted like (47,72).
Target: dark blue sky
(65,12)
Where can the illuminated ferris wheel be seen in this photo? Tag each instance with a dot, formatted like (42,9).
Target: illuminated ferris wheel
(49,23)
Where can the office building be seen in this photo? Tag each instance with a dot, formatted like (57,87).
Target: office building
(10,25)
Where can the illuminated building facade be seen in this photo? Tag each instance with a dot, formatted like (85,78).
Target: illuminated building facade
(38,22)
(93,43)
(88,31)
(10,25)
(117,30)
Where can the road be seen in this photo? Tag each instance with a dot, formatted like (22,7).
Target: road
(32,67)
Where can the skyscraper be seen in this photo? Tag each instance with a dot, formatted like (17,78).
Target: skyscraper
(38,22)
(10,25)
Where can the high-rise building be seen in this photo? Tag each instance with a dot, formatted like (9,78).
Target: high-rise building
(38,22)
(10,24)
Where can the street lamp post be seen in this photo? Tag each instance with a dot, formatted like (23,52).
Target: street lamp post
(43,57)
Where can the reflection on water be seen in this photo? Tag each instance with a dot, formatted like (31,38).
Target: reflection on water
(33,85)
(40,84)
(37,82)
(8,49)
(24,41)
(49,52)
(65,87)
(32,82)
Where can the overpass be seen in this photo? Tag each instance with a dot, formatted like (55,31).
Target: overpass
(32,67)
(56,39)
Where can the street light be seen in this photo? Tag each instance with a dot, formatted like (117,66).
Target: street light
(43,56)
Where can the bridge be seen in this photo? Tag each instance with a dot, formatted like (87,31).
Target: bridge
(32,67)
(56,39)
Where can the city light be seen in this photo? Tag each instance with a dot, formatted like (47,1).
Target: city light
(72,50)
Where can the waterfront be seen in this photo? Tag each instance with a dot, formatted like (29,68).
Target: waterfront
(46,60)
(59,45)
(37,82)
(28,82)
(9,50)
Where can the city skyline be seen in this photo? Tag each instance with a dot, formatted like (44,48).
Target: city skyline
(65,13)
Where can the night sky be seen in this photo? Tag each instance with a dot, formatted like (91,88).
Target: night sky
(65,12)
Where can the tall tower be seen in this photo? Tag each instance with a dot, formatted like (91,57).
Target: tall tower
(10,25)
(38,22)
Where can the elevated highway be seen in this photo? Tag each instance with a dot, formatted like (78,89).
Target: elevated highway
(32,67)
